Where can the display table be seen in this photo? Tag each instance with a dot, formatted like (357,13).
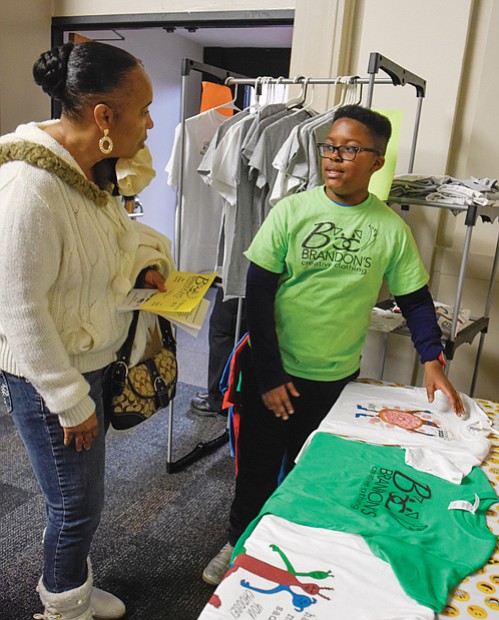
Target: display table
(291,571)
(478,595)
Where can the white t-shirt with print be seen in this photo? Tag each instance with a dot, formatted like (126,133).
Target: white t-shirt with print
(292,571)
(435,439)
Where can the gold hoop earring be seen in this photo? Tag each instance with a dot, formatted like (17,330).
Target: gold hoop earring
(105,143)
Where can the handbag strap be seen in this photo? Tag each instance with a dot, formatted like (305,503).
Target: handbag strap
(169,342)
(125,352)
(167,334)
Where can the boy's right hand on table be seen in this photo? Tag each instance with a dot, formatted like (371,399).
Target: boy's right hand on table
(278,400)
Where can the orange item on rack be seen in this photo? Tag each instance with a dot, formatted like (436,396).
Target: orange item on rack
(214,95)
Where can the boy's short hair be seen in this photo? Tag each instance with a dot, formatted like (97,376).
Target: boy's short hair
(378,125)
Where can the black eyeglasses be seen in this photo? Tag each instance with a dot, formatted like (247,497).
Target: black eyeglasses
(345,151)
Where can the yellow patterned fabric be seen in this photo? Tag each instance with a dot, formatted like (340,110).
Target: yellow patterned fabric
(477,596)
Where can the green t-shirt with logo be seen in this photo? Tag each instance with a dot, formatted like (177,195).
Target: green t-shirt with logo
(333,259)
(403,514)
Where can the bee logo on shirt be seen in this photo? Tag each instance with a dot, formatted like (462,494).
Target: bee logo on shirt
(328,245)
(325,234)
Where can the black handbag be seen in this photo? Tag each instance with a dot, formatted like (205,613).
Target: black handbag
(138,392)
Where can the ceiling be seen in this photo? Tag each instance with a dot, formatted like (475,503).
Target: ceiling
(251,36)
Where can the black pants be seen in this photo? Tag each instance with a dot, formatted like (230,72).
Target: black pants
(267,443)
(221,336)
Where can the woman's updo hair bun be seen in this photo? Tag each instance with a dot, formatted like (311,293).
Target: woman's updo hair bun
(80,75)
(51,69)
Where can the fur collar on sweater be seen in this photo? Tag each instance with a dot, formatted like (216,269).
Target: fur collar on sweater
(42,157)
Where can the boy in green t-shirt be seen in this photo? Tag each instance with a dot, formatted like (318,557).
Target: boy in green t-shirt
(316,269)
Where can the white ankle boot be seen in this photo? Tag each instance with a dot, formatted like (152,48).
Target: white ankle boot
(83,603)
(71,605)
(105,606)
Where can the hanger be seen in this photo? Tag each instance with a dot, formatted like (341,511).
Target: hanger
(297,101)
(230,105)
(270,92)
(253,107)
(273,90)
(279,83)
(359,90)
(307,104)
(349,95)
(343,92)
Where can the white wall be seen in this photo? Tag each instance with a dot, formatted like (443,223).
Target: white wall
(429,39)
(116,7)
(327,53)
(24,34)
(475,152)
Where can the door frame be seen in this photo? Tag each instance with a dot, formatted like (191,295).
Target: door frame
(212,19)
(135,21)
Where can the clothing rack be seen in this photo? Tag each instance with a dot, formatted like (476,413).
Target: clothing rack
(205,447)
(397,76)
(222,74)
(480,324)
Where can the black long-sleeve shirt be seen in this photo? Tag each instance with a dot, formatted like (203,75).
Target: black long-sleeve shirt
(261,286)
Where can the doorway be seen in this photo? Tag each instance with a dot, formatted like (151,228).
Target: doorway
(248,42)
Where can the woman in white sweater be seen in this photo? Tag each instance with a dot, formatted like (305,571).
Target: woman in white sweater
(69,255)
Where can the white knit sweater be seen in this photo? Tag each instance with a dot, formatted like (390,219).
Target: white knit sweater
(66,264)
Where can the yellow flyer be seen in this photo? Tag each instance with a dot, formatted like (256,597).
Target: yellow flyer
(184,291)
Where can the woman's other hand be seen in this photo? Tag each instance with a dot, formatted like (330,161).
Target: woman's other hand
(82,435)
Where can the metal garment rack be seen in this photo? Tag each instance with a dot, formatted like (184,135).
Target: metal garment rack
(397,76)
(478,324)
(489,213)
(205,447)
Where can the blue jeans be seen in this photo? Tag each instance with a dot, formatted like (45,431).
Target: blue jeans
(72,482)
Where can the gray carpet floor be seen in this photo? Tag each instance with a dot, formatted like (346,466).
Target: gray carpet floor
(158,529)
